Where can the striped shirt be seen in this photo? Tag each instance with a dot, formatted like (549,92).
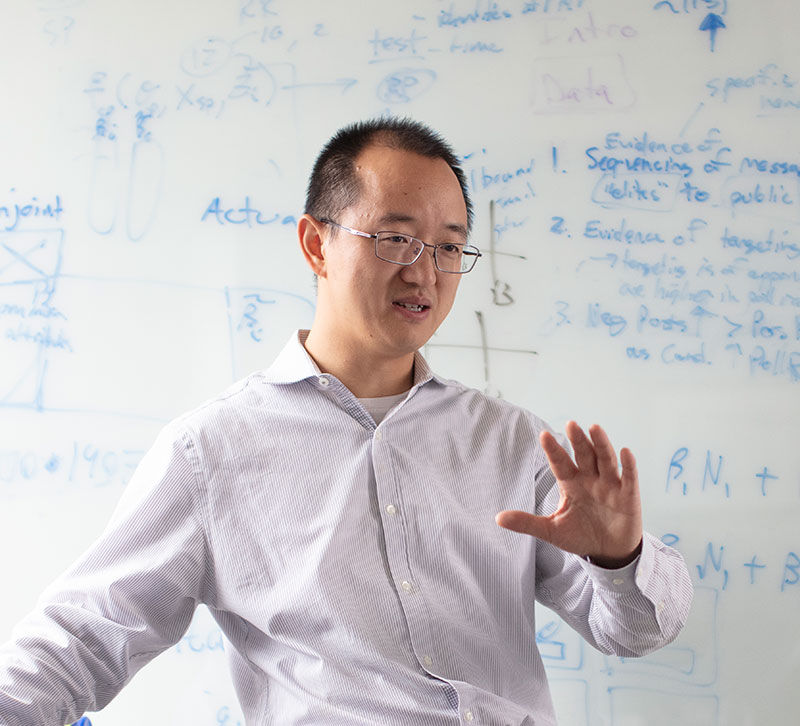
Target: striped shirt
(356,569)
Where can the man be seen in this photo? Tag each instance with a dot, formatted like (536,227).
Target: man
(336,512)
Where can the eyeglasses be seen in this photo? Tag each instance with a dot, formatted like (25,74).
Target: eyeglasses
(403,249)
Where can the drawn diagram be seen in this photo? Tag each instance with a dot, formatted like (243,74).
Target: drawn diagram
(35,330)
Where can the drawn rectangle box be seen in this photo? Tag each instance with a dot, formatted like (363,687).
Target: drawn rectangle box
(30,262)
(581,84)
(772,197)
(560,646)
(649,192)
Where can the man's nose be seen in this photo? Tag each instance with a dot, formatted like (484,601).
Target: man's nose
(423,270)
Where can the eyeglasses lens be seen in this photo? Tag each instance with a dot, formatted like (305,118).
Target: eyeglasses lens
(404,250)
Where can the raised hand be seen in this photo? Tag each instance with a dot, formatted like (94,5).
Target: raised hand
(599,513)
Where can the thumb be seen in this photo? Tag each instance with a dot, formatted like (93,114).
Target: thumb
(525,523)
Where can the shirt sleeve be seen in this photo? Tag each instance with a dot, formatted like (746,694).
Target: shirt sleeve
(629,611)
(128,598)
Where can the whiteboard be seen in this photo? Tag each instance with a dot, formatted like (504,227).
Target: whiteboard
(636,176)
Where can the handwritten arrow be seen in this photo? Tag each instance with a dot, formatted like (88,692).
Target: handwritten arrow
(712,23)
(345,83)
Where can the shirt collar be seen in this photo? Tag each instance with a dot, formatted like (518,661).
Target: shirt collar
(294,364)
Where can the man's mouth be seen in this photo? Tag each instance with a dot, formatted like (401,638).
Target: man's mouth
(411,306)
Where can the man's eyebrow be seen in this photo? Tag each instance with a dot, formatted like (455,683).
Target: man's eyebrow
(459,229)
(393,217)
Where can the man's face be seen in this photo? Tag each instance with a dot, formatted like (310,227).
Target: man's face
(373,302)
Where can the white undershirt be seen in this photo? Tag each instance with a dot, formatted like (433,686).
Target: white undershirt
(379,407)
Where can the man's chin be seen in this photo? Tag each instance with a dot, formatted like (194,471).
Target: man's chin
(403,345)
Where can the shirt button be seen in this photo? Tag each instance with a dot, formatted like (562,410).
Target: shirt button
(468,715)
(378,435)
(407,586)
(618,581)
(660,607)
(427,661)
(391,509)
(324,381)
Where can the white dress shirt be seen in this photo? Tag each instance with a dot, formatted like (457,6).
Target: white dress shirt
(356,570)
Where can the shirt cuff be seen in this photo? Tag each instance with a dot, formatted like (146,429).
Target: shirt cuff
(632,576)
(622,579)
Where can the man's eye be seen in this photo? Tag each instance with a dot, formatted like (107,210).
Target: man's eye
(397,239)
(451,248)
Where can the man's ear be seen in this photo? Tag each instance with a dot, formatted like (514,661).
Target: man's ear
(309,232)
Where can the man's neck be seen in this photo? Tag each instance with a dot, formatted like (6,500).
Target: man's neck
(366,375)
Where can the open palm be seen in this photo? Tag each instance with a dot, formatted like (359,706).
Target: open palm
(599,513)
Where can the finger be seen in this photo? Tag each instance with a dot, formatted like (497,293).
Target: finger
(604,451)
(630,475)
(560,461)
(584,450)
(525,523)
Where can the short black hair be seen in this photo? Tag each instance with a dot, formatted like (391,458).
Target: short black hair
(333,185)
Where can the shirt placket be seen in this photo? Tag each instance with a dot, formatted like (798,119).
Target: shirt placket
(398,554)
(393,512)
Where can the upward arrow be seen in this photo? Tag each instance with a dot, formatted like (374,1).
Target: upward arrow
(712,23)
